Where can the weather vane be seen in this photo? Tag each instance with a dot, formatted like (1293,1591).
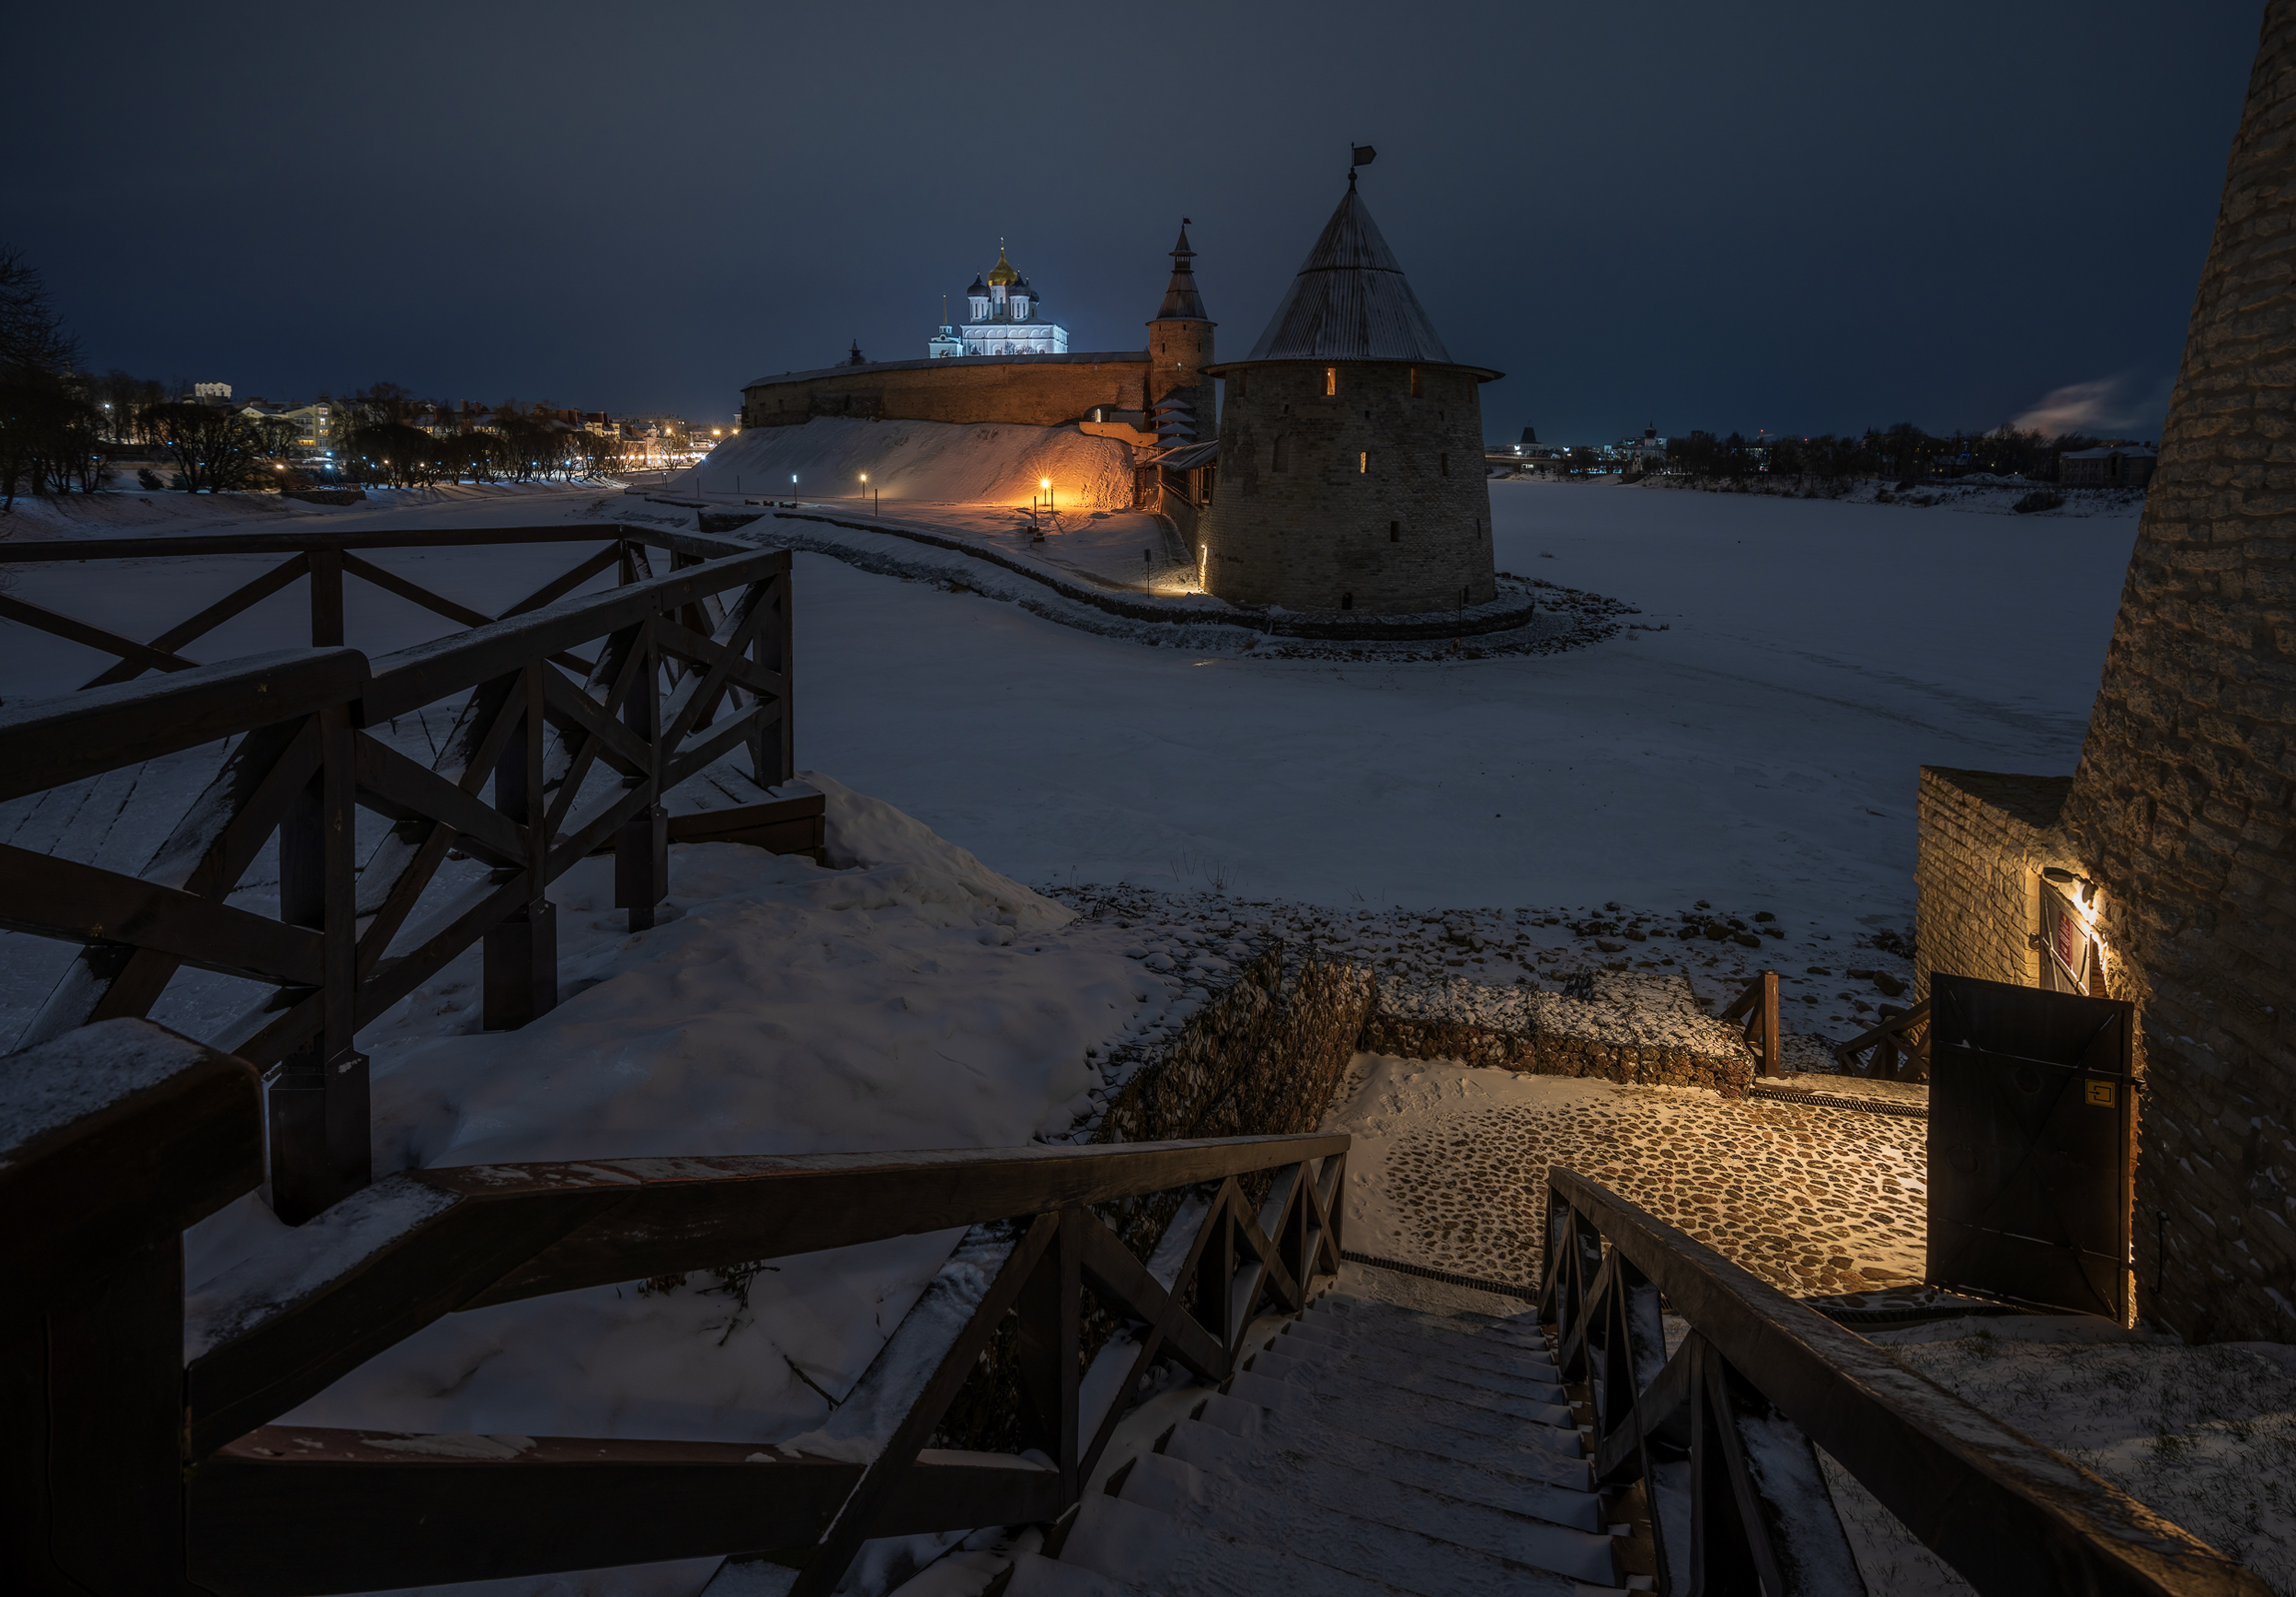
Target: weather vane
(1363,156)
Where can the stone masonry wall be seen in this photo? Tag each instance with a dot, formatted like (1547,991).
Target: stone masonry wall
(1042,391)
(1363,505)
(1983,838)
(2183,800)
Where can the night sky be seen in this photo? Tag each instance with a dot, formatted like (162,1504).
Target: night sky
(1800,218)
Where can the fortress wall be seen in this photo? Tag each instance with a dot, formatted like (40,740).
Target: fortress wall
(2181,805)
(1034,391)
(1304,536)
(1983,838)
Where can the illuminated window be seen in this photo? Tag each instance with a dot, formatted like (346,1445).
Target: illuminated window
(1330,379)
(1363,463)
(1417,390)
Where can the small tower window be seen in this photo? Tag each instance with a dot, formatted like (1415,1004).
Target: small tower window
(1240,385)
(1283,461)
(1331,380)
(1395,532)
(1417,391)
(1442,463)
(1363,463)
(1347,601)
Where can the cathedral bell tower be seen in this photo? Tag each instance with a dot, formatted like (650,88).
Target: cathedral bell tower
(1183,401)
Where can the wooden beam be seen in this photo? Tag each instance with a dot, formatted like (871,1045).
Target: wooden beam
(50,897)
(506,1232)
(213,616)
(177,1134)
(394,786)
(416,676)
(46,743)
(92,636)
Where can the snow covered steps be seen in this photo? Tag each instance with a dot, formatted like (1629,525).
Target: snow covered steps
(1365,1449)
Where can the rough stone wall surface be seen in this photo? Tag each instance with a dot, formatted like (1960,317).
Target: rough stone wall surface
(1263,1059)
(2181,803)
(1370,493)
(1984,836)
(1416,1037)
(1048,392)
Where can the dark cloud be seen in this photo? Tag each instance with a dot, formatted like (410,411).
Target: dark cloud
(1794,216)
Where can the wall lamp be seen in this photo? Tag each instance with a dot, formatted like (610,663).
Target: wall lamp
(2063,878)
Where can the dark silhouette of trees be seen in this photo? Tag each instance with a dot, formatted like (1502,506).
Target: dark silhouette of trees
(48,427)
(216,449)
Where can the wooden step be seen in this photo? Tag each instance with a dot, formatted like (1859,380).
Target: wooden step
(1158,1553)
(1411,1560)
(1549,1527)
(1407,1413)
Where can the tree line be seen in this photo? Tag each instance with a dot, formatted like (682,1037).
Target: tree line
(1903,452)
(60,426)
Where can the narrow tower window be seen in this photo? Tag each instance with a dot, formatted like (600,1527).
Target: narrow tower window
(1331,380)
(1240,385)
(1395,532)
(1442,462)
(1417,390)
(1363,463)
(1347,601)
(1283,454)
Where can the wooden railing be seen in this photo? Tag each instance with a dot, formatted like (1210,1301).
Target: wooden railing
(1730,1419)
(677,678)
(1896,1049)
(1756,1011)
(131,1470)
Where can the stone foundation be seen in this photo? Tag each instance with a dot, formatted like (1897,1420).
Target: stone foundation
(1411,1037)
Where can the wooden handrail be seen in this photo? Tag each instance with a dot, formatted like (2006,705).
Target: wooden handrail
(46,743)
(301,538)
(146,1475)
(2009,1514)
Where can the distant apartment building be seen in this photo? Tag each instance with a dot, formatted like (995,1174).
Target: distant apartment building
(2112,465)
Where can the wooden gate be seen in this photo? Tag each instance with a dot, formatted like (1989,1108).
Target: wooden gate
(2032,1116)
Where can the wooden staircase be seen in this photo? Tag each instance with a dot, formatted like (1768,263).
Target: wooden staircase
(1364,1449)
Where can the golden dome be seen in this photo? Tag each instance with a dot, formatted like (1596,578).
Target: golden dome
(1002,275)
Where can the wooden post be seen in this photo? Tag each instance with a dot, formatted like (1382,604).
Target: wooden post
(326,598)
(1050,1311)
(318,1101)
(773,753)
(1770,1024)
(642,846)
(521,949)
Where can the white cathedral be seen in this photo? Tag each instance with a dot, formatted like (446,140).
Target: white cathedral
(1007,320)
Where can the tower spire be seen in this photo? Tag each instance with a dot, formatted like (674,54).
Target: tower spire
(1181,300)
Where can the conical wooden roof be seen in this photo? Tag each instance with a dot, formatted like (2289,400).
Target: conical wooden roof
(1351,301)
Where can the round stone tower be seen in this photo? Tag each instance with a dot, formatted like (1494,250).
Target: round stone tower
(1350,448)
(1181,397)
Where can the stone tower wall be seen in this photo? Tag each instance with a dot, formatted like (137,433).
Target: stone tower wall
(1984,839)
(1178,353)
(1381,495)
(2181,803)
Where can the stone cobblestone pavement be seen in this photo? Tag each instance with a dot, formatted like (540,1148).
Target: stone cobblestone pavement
(1448,1170)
